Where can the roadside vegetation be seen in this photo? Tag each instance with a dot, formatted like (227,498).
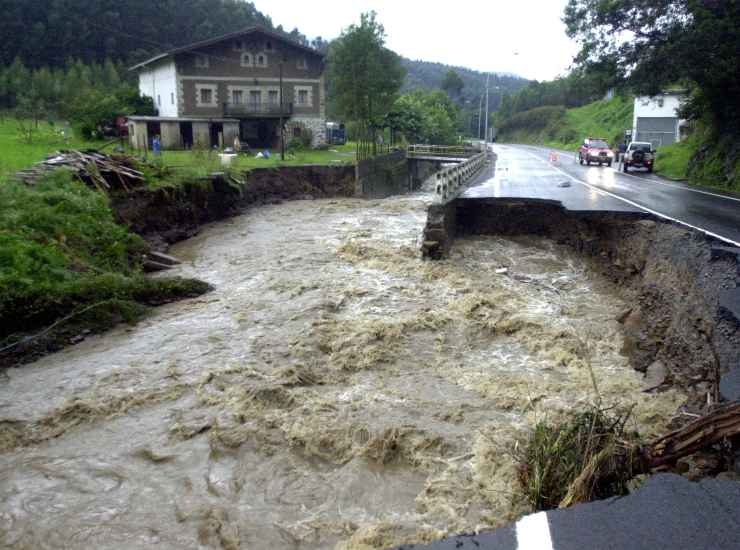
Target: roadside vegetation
(63,257)
(672,161)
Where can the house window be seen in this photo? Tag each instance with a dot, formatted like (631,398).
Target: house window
(302,63)
(303,96)
(273,97)
(255,97)
(296,131)
(262,60)
(237,96)
(206,95)
(159,100)
(239,46)
(246,60)
(172,98)
(202,61)
(660,102)
(268,46)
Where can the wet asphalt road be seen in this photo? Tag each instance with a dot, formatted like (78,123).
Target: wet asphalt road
(527,172)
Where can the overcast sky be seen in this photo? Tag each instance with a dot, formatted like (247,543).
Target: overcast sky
(525,37)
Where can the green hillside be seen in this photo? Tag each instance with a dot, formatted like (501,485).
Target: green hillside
(428,75)
(565,128)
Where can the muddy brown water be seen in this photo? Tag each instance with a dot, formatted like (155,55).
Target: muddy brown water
(335,391)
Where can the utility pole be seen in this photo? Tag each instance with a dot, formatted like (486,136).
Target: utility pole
(480,106)
(488,76)
(282,130)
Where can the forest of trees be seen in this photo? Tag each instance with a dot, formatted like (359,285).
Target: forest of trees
(426,75)
(579,87)
(49,32)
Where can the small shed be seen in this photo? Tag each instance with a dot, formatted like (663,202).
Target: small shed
(182,133)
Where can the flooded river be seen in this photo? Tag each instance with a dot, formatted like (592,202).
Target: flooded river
(334,391)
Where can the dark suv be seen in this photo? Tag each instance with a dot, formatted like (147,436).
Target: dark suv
(595,150)
(640,154)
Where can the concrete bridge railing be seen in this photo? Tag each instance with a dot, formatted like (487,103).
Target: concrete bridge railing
(452,179)
(452,152)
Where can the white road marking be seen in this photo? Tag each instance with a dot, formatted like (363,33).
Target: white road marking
(672,185)
(636,205)
(533,533)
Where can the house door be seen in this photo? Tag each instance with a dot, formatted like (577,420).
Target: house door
(217,132)
(186,134)
(153,129)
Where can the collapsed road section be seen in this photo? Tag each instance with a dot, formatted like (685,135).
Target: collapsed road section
(682,329)
(682,286)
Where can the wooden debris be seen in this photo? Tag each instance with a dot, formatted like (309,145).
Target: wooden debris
(103,172)
(720,425)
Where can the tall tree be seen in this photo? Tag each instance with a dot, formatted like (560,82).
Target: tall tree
(662,42)
(365,76)
(453,84)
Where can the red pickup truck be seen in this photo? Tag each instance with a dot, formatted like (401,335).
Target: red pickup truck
(595,150)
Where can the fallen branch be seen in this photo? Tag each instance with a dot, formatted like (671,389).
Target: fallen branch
(720,425)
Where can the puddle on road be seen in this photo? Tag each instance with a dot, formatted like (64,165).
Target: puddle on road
(335,391)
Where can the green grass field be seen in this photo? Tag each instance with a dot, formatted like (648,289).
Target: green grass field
(16,153)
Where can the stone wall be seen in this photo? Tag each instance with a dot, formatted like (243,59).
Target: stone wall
(316,125)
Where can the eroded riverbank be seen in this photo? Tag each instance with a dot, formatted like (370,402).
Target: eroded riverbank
(334,391)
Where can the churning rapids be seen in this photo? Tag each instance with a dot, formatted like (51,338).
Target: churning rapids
(334,391)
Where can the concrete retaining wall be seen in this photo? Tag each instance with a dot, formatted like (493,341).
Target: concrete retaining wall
(422,171)
(383,176)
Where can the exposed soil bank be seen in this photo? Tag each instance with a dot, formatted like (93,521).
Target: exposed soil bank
(682,283)
(168,215)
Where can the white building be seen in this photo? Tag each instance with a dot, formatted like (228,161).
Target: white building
(656,118)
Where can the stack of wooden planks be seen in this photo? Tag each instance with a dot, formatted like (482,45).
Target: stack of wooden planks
(104,172)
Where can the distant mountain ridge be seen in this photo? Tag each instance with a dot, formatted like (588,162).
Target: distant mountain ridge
(428,75)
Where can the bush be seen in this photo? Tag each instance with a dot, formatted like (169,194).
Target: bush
(582,459)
